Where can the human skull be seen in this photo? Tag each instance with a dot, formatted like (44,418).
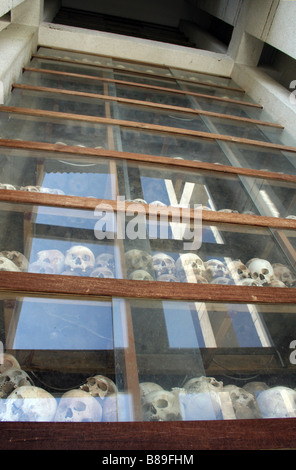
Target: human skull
(200,406)
(52,191)
(276,283)
(163,264)
(8,362)
(157,203)
(277,402)
(188,267)
(17,258)
(80,259)
(105,260)
(238,270)
(216,268)
(244,403)
(41,268)
(138,259)
(261,270)
(8,265)
(32,189)
(161,405)
(284,274)
(148,387)
(102,272)
(11,379)
(78,406)
(167,278)
(203,384)
(99,386)
(228,211)
(54,258)
(255,387)
(222,280)
(139,201)
(7,186)
(249,282)
(28,403)
(140,275)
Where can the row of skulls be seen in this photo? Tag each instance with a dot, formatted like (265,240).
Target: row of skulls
(189,267)
(205,398)
(22,400)
(32,189)
(141,265)
(201,398)
(78,260)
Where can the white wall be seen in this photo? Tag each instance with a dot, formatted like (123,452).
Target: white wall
(7,5)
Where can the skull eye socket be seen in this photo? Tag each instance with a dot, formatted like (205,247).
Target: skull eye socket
(265,271)
(103,386)
(85,258)
(162,403)
(80,406)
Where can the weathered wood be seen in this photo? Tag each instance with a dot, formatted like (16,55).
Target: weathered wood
(149,87)
(147,104)
(40,113)
(186,436)
(98,288)
(144,158)
(140,73)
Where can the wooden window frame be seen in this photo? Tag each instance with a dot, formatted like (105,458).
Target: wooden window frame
(232,434)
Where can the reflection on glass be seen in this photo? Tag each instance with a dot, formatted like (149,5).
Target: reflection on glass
(161,97)
(260,158)
(56,173)
(66,82)
(174,146)
(72,55)
(158,117)
(226,255)
(135,245)
(67,360)
(57,102)
(53,130)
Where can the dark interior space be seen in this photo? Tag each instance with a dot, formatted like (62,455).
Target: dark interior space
(124,26)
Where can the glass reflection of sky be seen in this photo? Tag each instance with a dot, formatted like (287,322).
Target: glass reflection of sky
(62,324)
(88,184)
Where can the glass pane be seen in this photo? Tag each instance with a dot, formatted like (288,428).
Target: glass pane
(68,67)
(72,55)
(137,78)
(53,130)
(57,102)
(158,117)
(260,158)
(175,251)
(171,187)
(48,240)
(63,356)
(61,81)
(174,146)
(203,77)
(143,68)
(143,94)
(54,173)
(145,360)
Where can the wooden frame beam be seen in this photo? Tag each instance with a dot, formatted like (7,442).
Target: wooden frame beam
(146,104)
(39,113)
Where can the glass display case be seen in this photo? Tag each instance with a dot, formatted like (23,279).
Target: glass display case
(147,258)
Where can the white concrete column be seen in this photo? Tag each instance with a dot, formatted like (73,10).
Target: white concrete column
(17,43)
(29,13)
